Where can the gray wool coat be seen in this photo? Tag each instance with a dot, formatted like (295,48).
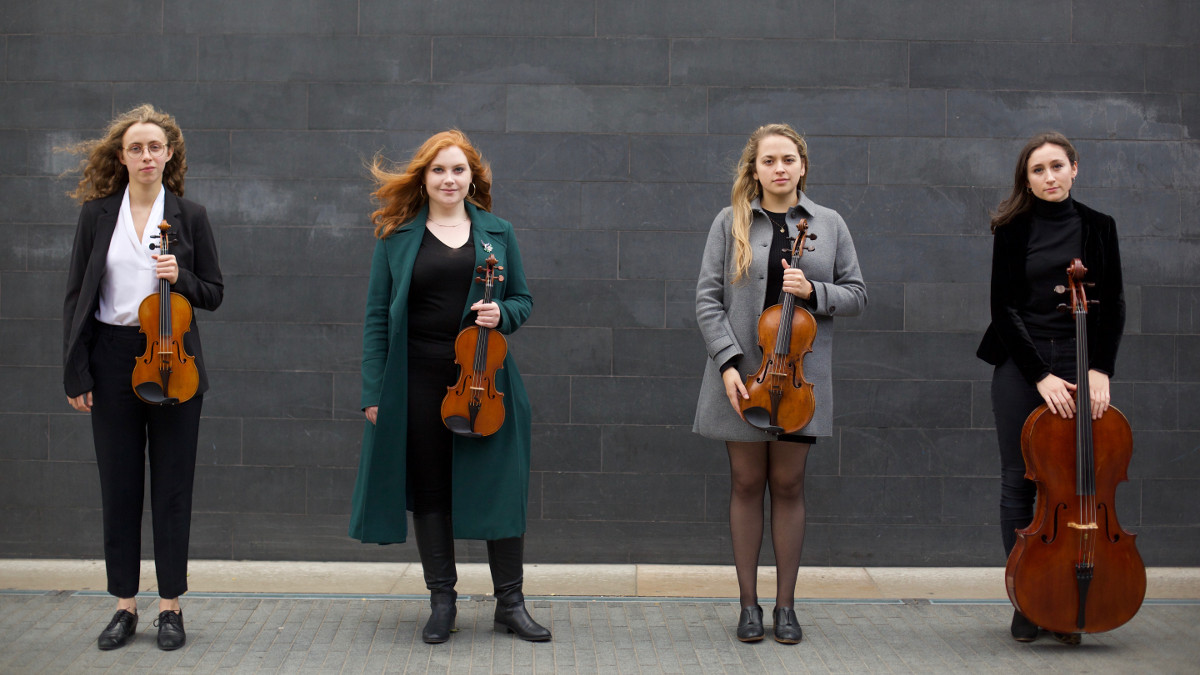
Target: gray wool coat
(728,313)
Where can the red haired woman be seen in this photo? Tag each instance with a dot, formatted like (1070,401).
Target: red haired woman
(434,227)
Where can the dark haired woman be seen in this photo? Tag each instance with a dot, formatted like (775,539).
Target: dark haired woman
(1037,231)
(745,270)
(434,228)
(133,180)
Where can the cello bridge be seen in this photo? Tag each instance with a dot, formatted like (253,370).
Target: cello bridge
(1082,526)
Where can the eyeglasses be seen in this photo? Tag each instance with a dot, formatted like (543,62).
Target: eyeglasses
(155,150)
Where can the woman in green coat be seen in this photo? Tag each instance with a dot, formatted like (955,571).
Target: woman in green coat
(434,229)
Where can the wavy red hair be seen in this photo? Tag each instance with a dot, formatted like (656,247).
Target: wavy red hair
(399,193)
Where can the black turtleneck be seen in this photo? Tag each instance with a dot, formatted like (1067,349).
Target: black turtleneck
(1055,238)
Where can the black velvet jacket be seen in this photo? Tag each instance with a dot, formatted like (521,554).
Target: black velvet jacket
(199,281)
(1007,337)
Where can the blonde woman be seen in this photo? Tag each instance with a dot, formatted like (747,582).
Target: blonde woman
(744,270)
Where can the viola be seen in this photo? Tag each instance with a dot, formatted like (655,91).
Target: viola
(780,400)
(166,374)
(472,406)
(1075,569)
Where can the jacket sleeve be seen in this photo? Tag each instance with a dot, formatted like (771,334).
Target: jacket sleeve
(711,316)
(1105,334)
(77,377)
(846,295)
(375,326)
(202,285)
(517,302)
(1005,290)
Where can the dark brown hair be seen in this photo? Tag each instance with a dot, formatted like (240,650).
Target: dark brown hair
(1021,199)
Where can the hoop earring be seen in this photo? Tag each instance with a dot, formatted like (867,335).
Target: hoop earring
(471,192)
(421,189)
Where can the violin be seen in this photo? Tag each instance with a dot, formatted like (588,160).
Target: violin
(472,407)
(166,374)
(780,400)
(1074,569)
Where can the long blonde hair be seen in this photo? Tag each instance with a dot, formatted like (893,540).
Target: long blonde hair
(399,193)
(746,189)
(103,173)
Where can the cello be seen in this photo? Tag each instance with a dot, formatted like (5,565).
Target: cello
(472,406)
(1074,569)
(166,374)
(779,399)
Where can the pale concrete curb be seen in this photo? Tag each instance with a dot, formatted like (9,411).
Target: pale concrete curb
(661,581)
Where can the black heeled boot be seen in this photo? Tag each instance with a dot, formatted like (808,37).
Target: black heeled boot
(506,560)
(435,544)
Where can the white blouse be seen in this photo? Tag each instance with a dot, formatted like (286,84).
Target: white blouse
(129,269)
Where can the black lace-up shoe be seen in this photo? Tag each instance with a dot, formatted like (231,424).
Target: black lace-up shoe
(170,630)
(119,630)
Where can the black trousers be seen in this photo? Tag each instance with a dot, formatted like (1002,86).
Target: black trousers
(429,450)
(1013,398)
(127,431)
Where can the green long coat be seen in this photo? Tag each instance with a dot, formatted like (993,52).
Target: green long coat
(491,474)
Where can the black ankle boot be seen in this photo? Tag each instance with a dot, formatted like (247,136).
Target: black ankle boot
(435,544)
(506,559)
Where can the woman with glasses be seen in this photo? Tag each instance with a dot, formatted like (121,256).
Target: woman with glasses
(133,180)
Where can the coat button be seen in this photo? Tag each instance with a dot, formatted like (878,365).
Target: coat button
(832,309)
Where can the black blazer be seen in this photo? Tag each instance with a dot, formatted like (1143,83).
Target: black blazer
(1007,337)
(199,281)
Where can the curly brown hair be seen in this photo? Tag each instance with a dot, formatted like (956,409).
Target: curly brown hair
(103,173)
(399,193)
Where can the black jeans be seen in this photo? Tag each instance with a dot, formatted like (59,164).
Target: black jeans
(429,450)
(1013,398)
(121,426)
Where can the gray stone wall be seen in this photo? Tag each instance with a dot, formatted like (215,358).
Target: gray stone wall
(612,128)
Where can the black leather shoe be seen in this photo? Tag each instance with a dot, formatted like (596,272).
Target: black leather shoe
(787,627)
(170,630)
(1023,630)
(750,626)
(118,631)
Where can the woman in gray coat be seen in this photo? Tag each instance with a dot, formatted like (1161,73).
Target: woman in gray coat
(745,270)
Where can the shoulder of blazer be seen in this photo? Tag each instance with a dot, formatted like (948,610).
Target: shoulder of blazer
(1094,218)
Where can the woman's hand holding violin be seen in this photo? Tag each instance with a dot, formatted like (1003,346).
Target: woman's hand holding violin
(487,314)
(796,283)
(166,267)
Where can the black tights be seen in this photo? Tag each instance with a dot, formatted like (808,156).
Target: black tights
(752,467)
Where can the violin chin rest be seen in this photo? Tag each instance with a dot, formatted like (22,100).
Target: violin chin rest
(461,426)
(151,392)
(761,418)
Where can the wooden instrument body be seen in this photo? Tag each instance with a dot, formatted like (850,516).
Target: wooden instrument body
(1040,575)
(780,400)
(1075,569)
(473,407)
(165,374)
